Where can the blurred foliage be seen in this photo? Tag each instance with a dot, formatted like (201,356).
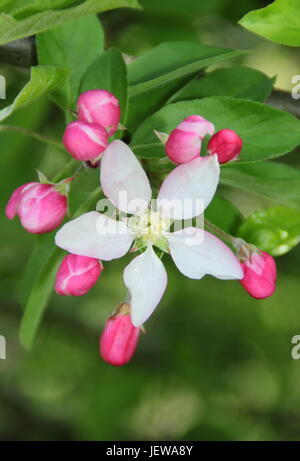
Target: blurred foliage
(275,230)
(214,364)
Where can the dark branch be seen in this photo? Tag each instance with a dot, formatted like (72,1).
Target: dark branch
(23,53)
(283,100)
(20,53)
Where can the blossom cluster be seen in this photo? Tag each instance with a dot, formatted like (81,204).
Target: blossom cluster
(151,228)
(98,113)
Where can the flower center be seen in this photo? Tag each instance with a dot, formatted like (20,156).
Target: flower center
(149,229)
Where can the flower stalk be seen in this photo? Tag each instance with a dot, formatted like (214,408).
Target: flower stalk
(32,134)
(235,241)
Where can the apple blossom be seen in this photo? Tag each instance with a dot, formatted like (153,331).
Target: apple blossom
(119,339)
(40,207)
(195,252)
(226,144)
(77,275)
(100,107)
(85,141)
(259,278)
(184,142)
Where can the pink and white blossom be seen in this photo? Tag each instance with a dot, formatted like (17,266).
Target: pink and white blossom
(77,275)
(100,107)
(40,207)
(85,141)
(184,142)
(195,253)
(259,278)
(226,144)
(119,339)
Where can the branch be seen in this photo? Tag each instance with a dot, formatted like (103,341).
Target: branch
(22,53)
(283,100)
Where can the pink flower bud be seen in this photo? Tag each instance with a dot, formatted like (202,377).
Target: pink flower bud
(77,275)
(101,107)
(85,141)
(119,338)
(259,275)
(184,143)
(226,144)
(40,207)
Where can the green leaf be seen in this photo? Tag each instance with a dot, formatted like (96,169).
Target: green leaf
(275,181)
(156,75)
(171,60)
(38,298)
(24,8)
(279,22)
(42,250)
(12,29)
(238,82)
(266,132)
(64,47)
(108,72)
(42,80)
(275,230)
(223,214)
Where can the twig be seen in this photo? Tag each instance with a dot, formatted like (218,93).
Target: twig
(32,134)
(220,233)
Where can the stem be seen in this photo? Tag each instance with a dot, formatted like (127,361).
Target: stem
(88,203)
(68,170)
(78,170)
(220,233)
(32,134)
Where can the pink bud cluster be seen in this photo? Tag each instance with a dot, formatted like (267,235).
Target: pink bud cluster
(40,207)
(98,113)
(119,339)
(185,141)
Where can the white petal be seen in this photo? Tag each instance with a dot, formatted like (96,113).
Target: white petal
(123,180)
(189,188)
(197,253)
(146,280)
(95,235)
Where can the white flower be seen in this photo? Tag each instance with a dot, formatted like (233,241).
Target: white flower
(194,251)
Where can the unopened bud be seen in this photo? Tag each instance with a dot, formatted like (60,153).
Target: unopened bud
(184,143)
(259,274)
(227,144)
(40,207)
(119,338)
(85,141)
(77,275)
(101,107)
